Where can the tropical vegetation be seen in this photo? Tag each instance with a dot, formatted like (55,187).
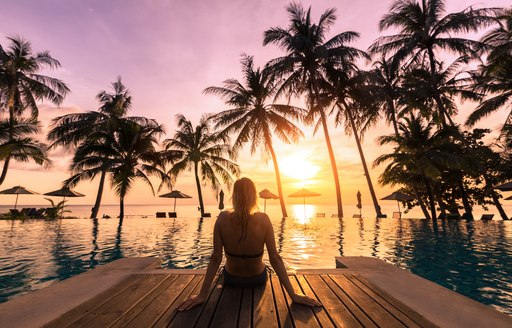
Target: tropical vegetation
(415,79)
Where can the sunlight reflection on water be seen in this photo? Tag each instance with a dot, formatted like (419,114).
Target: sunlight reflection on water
(472,258)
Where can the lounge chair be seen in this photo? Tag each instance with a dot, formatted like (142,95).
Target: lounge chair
(334,216)
(161,215)
(487,217)
(15,212)
(172,214)
(357,216)
(453,216)
(24,211)
(397,215)
(207,215)
(31,212)
(39,214)
(320,215)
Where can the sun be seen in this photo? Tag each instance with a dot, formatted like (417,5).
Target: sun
(298,166)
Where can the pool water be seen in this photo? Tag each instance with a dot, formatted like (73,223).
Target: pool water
(472,258)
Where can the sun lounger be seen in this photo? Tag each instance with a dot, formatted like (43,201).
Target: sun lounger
(356,216)
(320,215)
(15,212)
(397,215)
(207,215)
(172,214)
(31,212)
(487,217)
(161,215)
(334,215)
(39,214)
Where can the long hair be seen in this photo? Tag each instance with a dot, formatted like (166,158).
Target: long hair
(245,201)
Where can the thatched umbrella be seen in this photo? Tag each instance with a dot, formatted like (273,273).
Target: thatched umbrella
(266,194)
(18,190)
(505,187)
(399,197)
(304,193)
(64,192)
(175,194)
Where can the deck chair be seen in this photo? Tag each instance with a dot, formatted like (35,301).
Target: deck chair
(39,214)
(161,215)
(31,212)
(397,215)
(207,215)
(15,212)
(334,215)
(320,215)
(487,217)
(172,214)
(453,216)
(357,216)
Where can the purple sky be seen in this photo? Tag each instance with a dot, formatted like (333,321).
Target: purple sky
(167,52)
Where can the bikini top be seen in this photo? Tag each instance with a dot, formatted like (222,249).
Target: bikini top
(240,256)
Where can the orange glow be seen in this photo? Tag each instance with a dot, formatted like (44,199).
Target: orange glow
(298,166)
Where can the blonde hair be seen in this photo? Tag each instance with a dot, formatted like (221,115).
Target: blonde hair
(245,202)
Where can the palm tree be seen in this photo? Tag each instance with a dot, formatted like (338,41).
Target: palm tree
(21,85)
(423,31)
(419,154)
(494,77)
(308,56)
(130,154)
(17,143)
(253,119)
(71,130)
(202,150)
(348,91)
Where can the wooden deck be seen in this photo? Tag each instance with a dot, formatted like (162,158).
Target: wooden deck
(150,300)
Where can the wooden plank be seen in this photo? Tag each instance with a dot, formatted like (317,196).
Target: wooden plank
(171,311)
(159,304)
(226,314)
(74,314)
(208,309)
(264,313)
(418,318)
(122,303)
(320,313)
(245,313)
(336,310)
(143,304)
(408,322)
(187,318)
(282,310)
(377,313)
(302,315)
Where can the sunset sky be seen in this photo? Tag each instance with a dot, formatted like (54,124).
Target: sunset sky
(167,53)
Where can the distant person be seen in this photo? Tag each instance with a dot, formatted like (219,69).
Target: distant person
(242,233)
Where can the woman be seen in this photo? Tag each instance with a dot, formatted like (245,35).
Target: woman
(243,233)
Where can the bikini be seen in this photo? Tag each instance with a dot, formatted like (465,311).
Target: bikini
(251,281)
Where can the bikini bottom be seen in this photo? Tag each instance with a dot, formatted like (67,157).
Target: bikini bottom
(250,281)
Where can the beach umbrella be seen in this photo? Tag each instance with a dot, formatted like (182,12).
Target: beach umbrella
(175,194)
(399,197)
(19,190)
(64,192)
(359,205)
(303,193)
(508,198)
(266,194)
(505,187)
(221,200)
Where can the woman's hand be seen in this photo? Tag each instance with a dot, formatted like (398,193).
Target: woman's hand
(305,300)
(191,302)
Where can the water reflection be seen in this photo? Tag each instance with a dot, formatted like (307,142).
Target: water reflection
(303,213)
(473,258)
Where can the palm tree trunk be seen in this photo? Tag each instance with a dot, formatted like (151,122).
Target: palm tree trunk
(363,161)
(431,199)
(4,169)
(199,193)
(467,207)
(333,164)
(96,207)
(494,196)
(420,201)
(278,175)
(121,209)
(391,108)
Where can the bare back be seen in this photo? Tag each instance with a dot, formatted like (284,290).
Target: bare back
(243,257)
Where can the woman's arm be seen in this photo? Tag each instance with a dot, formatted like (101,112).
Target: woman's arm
(213,266)
(277,263)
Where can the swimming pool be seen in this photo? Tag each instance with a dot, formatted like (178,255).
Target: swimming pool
(472,258)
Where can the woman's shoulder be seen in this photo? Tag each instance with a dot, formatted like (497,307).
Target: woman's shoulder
(261,216)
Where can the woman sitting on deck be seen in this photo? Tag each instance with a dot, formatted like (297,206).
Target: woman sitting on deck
(242,233)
